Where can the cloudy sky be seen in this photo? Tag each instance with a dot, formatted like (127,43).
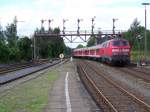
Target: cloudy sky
(32,11)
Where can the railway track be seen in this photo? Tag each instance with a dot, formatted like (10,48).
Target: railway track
(111,96)
(132,78)
(7,86)
(15,67)
(6,78)
(141,74)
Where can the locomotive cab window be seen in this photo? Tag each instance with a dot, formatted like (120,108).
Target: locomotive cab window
(105,45)
(120,43)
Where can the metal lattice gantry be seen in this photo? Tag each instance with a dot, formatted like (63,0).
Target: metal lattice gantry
(71,36)
(77,36)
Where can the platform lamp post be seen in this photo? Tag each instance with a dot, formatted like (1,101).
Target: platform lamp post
(145,34)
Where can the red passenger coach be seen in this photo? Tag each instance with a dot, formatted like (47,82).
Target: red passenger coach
(114,51)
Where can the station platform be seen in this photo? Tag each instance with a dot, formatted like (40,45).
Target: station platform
(68,93)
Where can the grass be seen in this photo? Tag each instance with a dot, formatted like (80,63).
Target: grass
(135,55)
(29,97)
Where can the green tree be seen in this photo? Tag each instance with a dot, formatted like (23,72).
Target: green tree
(13,48)
(67,51)
(134,30)
(14,55)
(2,36)
(91,41)
(50,47)
(11,35)
(148,39)
(49,50)
(4,52)
(11,39)
(56,30)
(80,46)
(25,48)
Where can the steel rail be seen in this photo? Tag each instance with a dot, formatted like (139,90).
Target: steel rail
(18,67)
(145,71)
(110,106)
(139,101)
(133,72)
(8,81)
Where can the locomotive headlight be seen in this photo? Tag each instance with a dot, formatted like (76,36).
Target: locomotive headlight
(115,50)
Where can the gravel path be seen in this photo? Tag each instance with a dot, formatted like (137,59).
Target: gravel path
(79,98)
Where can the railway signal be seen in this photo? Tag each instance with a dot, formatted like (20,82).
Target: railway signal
(15,25)
(49,24)
(78,30)
(42,23)
(64,20)
(92,31)
(114,25)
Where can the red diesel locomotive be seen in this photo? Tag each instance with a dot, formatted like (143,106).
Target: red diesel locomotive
(114,51)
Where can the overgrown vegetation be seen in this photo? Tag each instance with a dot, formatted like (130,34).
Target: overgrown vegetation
(136,37)
(16,49)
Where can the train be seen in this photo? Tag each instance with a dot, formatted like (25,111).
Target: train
(115,51)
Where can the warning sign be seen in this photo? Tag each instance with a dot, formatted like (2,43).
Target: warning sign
(61,56)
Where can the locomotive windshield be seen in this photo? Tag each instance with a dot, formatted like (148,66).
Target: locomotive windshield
(120,43)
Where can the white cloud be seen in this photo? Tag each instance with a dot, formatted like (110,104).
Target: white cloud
(104,10)
(103,16)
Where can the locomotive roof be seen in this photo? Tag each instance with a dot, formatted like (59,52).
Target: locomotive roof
(99,45)
(118,39)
